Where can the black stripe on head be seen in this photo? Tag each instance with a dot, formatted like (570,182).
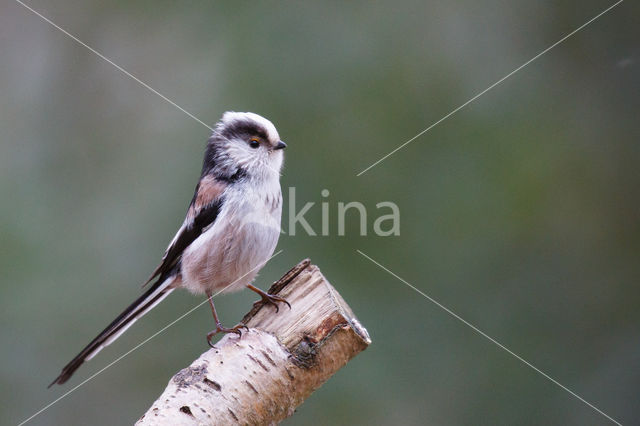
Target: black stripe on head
(213,158)
(244,129)
(211,155)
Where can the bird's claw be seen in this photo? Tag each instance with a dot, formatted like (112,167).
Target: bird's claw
(221,329)
(271,299)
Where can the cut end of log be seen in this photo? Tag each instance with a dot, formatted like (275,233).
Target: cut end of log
(262,377)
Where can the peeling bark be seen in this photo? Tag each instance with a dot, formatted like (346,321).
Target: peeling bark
(262,377)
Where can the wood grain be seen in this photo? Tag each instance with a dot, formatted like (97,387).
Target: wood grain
(262,377)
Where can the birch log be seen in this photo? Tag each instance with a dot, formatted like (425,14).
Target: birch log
(262,377)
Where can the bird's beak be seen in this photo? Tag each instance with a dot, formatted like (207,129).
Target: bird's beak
(280,145)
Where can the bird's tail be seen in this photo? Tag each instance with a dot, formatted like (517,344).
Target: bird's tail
(154,295)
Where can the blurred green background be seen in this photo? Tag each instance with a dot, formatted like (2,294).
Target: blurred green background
(520,213)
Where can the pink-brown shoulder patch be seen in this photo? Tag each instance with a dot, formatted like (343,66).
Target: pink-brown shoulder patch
(208,190)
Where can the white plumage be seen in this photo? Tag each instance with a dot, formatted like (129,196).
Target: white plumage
(231,227)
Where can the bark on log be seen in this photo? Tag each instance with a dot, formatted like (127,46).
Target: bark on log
(262,377)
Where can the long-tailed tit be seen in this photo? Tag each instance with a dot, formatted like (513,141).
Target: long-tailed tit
(231,228)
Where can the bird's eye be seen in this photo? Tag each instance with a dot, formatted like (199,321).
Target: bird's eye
(254,143)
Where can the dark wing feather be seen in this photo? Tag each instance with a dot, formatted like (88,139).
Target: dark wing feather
(204,217)
(203,211)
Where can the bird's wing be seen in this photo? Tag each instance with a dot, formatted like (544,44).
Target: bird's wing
(204,209)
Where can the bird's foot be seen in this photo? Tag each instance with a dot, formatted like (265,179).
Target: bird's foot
(225,330)
(271,299)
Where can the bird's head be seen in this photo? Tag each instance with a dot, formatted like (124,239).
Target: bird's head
(244,143)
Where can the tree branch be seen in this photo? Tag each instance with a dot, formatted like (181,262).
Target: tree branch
(285,356)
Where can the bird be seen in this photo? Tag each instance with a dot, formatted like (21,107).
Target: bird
(230,231)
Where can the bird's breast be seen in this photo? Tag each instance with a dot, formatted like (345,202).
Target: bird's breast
(228,255)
